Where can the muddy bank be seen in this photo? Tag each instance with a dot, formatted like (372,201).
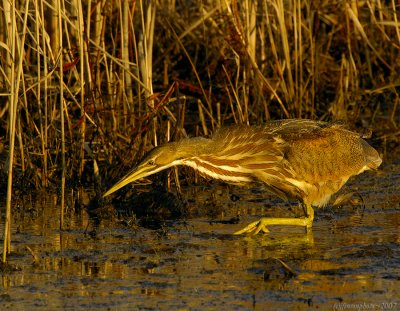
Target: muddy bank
(194,262)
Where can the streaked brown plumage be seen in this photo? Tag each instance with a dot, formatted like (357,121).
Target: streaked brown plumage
(302,159)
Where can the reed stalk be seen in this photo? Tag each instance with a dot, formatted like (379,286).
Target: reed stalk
(83,80)
(9,14)
(62,112)
(202,118)
(126,66)
(125,29)
(43,102)
(17,54)
(38,93)
(145,45)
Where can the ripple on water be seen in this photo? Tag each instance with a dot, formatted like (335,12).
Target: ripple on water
(194,262)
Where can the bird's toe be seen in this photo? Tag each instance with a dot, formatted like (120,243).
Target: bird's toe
(255,228)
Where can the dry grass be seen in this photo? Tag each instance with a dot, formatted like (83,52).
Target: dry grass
(95,84)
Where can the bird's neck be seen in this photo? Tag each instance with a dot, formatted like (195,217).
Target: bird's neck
(192,147)
(202,155)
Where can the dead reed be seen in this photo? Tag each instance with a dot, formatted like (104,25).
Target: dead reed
(89,86)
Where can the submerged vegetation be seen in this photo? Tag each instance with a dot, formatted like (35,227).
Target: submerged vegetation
(88,86)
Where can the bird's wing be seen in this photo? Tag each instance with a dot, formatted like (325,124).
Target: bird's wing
(296,158)
(245,143)
(259,154)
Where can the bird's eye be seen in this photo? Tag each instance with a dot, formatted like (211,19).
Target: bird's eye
(151,162)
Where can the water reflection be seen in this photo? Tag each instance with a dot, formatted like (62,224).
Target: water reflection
(352,255)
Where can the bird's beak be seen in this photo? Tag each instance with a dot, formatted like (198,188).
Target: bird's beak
(140,171)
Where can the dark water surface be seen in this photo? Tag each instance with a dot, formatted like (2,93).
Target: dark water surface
(350,261)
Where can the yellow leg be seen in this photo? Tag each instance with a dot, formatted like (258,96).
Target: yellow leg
(263,223)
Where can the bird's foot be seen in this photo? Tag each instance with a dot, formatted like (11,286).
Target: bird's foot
(256,226)
(263,223)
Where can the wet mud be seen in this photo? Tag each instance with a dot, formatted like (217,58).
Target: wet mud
(188,259)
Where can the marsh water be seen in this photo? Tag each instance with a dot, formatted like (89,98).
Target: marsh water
(351,260)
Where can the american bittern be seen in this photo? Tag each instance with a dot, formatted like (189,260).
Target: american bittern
(301,159)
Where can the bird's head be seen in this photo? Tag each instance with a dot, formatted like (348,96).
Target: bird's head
(158,159)
(155,161)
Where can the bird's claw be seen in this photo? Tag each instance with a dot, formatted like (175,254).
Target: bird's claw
(263,223)
(254,228)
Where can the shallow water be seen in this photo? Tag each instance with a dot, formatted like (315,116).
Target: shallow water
(351,260)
